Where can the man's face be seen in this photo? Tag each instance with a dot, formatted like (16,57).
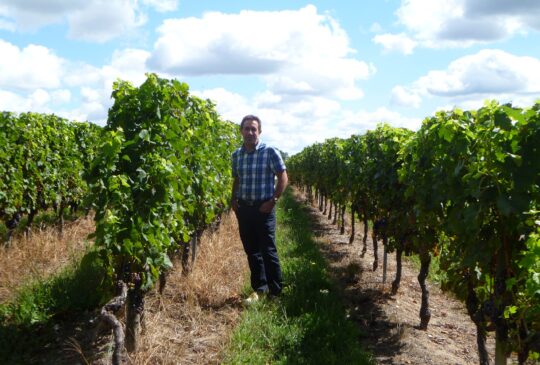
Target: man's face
(250,132)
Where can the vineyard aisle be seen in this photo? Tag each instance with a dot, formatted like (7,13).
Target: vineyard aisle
(328,312)
(390,321)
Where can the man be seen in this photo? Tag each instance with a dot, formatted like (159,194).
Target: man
(254,196)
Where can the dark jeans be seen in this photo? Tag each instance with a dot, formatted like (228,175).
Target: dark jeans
(258,235)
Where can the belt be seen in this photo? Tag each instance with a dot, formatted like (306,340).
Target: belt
(251,203)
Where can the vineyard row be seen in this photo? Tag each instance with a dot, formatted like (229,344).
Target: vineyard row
(465,187)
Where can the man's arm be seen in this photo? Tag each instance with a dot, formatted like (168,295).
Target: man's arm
(234,201)
(282,180)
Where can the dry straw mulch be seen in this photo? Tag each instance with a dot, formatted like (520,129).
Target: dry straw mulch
(190,322)
(42,253)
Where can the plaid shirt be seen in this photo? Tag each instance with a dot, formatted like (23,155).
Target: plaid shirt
(256,171)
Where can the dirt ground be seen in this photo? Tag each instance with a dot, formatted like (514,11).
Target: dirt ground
(389,322)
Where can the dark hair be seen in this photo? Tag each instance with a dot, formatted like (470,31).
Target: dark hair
(250,118)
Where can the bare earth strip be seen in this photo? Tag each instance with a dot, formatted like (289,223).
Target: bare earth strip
(389,321)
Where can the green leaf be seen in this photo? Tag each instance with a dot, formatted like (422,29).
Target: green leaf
(502,120)
(515,114)
(144,135)
(167,263)
(509,311)
(504,205)
(446,131)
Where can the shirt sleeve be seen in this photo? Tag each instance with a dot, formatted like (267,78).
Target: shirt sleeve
(234,165)
(276,162)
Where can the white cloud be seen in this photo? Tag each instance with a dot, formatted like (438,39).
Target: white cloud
(400,43)
(128,64)
(404,97)
(103,20)
(311,108)
(488,71)
(424,18)
(361,121)
(61,96)
(6,25)
(30,15)
(35,79)
(291,123)
(79,74)
(29,68)
(40,98)
(267,99)
(37,101)
(90,95)
(375,28)
(462,23)
(288,123)
(524,12)
(162,5)
(231,106)
(474,102)
(94,112)
(488,74)
(307,53)
(11,101)
(297,131)
(94,21)
(277,123)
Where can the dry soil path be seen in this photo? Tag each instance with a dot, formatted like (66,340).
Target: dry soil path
(389,322)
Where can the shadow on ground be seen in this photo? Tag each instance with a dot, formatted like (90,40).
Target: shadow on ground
(364,303)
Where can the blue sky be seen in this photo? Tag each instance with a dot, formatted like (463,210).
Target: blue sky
(311,70)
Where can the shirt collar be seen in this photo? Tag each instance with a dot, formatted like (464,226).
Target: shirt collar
(258,146)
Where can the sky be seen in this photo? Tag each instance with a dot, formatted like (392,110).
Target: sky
(311,70)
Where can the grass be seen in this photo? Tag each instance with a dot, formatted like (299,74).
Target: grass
(42,254)
(27,323)
(307,324)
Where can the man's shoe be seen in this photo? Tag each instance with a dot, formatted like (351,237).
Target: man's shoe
(253,298)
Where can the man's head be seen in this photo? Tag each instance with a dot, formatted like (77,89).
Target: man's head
(250,128)
(250,118)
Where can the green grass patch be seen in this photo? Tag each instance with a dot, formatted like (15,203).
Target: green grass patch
(307,324)
(27,323)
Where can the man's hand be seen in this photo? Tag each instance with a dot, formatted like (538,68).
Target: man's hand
(267,206)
